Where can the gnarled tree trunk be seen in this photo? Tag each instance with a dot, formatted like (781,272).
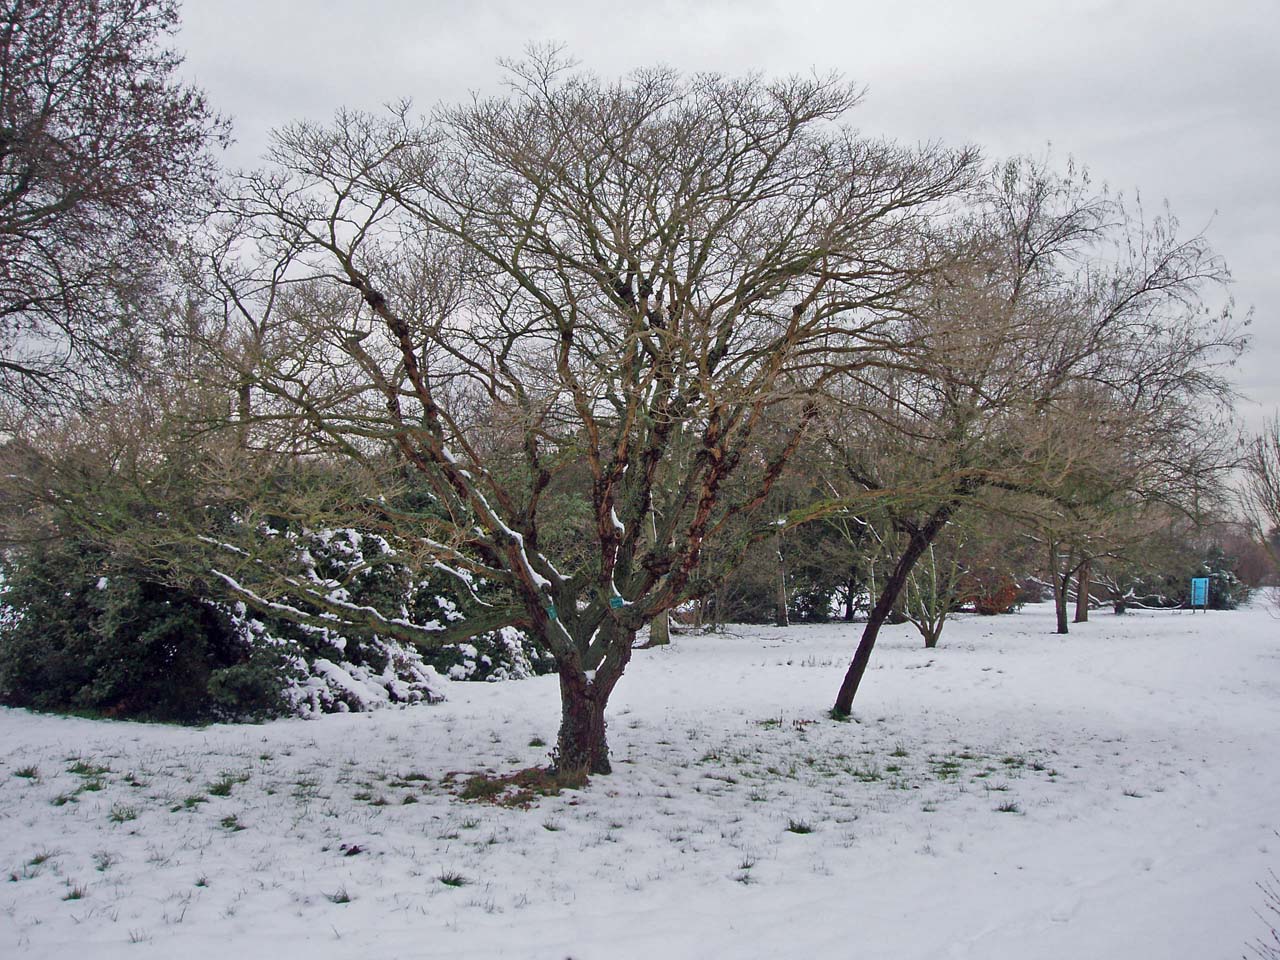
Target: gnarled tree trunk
(581,745)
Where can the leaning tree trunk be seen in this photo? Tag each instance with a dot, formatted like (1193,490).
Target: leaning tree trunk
(919,541)
(1082,594)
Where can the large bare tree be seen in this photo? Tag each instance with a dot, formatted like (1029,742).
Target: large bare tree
(579,292)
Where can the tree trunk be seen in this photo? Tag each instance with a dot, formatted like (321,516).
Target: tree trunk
(780,606)
(888,599)
(849,597)
(1082,594)
(660,630)
(660,626)
(1060,602)
(1059,589)
(244,412)
(581,744)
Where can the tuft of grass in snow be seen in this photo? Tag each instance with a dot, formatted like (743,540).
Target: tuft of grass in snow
(87,768)
(226,780)
(28,773)
(869,773)
(522,788)
(338,896)
(1009,806)
(231,822)
(121,813)
(800,826)
(451,878)
(75,892)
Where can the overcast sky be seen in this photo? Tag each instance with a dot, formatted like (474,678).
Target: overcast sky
(1175,99)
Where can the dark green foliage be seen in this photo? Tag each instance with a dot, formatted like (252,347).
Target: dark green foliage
(83,631)
(1171,586)
(85,634)
(819,566)
(1226,592)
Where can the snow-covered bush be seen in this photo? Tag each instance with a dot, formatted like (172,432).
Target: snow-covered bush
(316,670)
(82,630)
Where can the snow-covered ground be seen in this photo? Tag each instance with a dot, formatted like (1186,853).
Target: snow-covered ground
(1114,793)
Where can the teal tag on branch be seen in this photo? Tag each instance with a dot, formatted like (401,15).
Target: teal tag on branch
(551,612)
(616,602)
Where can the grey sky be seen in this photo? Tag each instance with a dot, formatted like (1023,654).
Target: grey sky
(1174,98)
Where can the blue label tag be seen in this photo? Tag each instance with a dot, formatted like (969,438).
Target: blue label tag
(616,602)
(551,612)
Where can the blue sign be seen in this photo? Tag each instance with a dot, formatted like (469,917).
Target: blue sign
(1200,592)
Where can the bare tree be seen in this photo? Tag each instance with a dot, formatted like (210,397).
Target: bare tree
(582,292)
(1060,354)
(102,152)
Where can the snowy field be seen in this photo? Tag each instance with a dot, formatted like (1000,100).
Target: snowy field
(1013,794)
